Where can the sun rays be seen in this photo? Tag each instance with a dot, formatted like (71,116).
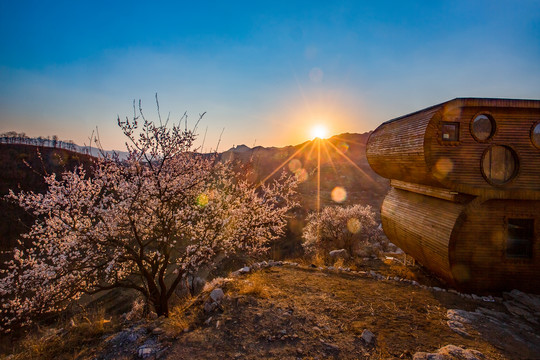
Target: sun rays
(322,152)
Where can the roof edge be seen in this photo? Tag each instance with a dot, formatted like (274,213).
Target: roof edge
(473,101)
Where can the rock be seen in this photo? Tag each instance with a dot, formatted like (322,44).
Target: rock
(528,300)
(152,315)
(158,331)
(460,316)
(339,254)
(450,352)
(330,347)
(331,268)
(217,294)
(210,306)
(244,270)
(458,328)
(456,319)
(517,310)
(367,336)
(145,352)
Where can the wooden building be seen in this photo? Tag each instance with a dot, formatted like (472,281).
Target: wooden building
(465,197)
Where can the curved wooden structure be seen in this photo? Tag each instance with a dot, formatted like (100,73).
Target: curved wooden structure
(412,148)
(466,190)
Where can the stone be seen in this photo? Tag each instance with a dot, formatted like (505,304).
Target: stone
(330,347)
(458,328)
(145,352)
(217,294)
(515,309)
(158,331)
(210,306)
(461,316)
(367,336)
(152,315)
(244,270)
(339,254)
(450,352)
(530,301)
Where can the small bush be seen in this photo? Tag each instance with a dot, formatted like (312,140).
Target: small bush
(352,228)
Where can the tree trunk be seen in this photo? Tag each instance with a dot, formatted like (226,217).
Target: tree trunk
(161,306)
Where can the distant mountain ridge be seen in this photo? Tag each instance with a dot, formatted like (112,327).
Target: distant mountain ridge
(343,166)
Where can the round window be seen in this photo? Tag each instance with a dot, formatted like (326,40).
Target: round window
(483,127)
(499,164)
(535,135)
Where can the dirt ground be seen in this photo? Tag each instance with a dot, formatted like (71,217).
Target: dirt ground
(302,312)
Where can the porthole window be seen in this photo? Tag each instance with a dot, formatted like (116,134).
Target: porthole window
(499,164)
(483,127)
(535,135)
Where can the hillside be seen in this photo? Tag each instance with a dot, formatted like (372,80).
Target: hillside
(21,168)
(343,164)
(281,310)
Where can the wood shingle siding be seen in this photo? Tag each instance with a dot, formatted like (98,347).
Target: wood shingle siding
(410,148)
(459,188)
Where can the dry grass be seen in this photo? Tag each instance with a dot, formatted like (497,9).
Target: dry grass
(185,314)
(339,263)
(256,285)
(287,312)
(318,260)
(69,341)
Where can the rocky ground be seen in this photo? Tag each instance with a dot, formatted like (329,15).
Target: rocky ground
(288,311)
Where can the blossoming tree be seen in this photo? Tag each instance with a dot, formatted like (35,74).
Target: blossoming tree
(144,223)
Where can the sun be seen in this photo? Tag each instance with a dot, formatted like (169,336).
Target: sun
(319,131)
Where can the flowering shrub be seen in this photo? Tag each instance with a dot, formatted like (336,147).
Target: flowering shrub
(351,228)
(144,223)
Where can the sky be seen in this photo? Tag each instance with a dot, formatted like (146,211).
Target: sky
(264,72)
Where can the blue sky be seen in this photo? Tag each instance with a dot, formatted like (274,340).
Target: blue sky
(266,72)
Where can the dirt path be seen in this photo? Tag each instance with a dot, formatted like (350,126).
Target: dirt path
(292,312)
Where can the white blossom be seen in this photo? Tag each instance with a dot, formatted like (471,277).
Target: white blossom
(136,223)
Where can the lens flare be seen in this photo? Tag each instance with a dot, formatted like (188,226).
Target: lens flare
(301,175)
(343,146)
(202,200)
(339,194)
(354,225)
(295,165)
(443,167)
